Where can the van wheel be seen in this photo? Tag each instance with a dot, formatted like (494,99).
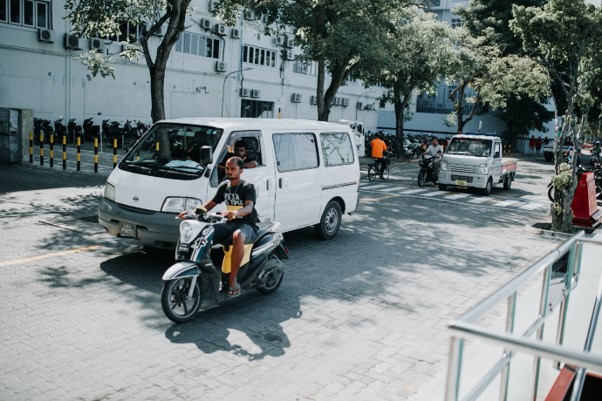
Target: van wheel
(507,182)
(442,187)
(330,222)
(488,187)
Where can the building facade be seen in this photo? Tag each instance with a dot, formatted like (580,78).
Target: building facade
(213,70)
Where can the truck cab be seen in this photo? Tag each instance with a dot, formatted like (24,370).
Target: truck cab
(475,161)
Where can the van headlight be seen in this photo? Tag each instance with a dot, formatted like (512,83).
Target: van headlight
(483,169)
(443,165)
(110,192)
(174,204)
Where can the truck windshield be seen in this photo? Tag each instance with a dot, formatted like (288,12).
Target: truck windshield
(470,147)
(172,150)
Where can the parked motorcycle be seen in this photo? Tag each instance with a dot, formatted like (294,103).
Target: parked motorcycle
(111,130)
(59,130)
(200,274)
(597,170)
(74,130)
(41,125)
(91,131)
(427,170)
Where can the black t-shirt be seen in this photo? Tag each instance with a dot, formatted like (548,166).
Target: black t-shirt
(235,198)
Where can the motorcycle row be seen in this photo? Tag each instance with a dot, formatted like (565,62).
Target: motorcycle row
(126,135)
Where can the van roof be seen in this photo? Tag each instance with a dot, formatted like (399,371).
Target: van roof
(477,136)
(255,123)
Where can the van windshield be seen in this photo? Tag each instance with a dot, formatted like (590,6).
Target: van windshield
(470,147)
(172,150)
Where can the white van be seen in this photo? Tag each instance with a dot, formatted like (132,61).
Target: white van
(307,174)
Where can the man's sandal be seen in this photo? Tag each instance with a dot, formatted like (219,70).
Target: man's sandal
(234,291)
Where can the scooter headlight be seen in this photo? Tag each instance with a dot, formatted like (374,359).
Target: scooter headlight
(186,232)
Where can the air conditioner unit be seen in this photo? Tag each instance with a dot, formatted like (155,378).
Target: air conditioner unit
(255,93)
(205,24)
(296,98)
(219,29)
(235,33)
(244,92)
(279,40)
(162,31)
(213,4)
(249,15)
(289,42)
(220,66)
(71,42)
(313,100)
(360,105)
(45,35)
(345,102)
(288,55)
(98,44)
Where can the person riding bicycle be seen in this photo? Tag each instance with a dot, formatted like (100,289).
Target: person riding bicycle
(435,150)
(379,152)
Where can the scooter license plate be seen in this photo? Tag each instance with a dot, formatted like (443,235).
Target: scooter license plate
(127,230)
(461,183)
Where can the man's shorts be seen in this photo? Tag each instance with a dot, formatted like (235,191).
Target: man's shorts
(223,231)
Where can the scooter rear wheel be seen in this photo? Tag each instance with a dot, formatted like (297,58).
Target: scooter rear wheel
(176,306)
(273,276)
(421,177)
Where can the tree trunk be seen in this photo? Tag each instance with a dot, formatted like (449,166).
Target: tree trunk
(157,87)
(320,91)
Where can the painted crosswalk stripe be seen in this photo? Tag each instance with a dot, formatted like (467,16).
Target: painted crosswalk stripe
(479,200)
(457,196)
(413,191)
(390,189)
(532,206)
(433,193)
(505,203)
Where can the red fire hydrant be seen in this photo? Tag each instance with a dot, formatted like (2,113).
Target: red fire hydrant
(585,208)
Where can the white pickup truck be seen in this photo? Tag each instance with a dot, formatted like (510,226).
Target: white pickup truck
(475,161)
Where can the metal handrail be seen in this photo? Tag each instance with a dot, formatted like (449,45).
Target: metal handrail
(466,328)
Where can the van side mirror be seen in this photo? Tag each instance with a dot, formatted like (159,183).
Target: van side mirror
(496,155)
(206,155)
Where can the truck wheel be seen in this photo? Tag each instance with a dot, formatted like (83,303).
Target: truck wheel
(487,189)
(508,182)
(329,224)
(442,187)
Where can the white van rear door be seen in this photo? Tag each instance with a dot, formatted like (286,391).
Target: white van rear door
(298,179)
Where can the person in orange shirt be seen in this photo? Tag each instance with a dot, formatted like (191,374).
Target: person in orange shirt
(379,148)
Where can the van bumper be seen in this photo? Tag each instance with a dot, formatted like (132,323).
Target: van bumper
(156,229)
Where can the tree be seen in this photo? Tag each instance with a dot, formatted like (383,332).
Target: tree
(97,18)
(414,60)
(490,19)
(342,36)
(486,78)
(564,37)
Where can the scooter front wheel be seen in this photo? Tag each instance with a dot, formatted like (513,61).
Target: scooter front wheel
(272,277)
(175,302)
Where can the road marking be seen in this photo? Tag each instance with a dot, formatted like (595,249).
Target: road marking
(505,203)
(413,191)
(531,206)
(433,193)
(479,200)
(48,255)
(390,189)
(457,196)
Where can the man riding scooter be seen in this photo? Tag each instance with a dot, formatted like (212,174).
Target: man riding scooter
(435,150)
(240,198)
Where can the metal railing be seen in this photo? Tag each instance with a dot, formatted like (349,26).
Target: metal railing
(562,263)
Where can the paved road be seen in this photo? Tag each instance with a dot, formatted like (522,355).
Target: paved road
(361,317)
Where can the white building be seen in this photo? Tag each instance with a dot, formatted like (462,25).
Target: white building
(213,71)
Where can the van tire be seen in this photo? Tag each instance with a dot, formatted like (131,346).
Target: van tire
(329,224)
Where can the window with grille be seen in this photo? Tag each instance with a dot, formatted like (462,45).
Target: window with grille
(31,13)
(258,56)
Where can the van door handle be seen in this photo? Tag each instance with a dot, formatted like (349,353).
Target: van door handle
(280,183)
(267,185)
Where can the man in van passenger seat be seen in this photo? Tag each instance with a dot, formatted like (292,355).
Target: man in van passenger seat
(240,198)
(240,150)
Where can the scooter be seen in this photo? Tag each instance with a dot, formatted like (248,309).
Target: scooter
(427,170)
(200,274)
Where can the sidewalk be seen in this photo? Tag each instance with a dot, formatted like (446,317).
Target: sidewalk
(479,356)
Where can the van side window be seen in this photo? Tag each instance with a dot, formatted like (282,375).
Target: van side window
(296,151)
(336,148)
